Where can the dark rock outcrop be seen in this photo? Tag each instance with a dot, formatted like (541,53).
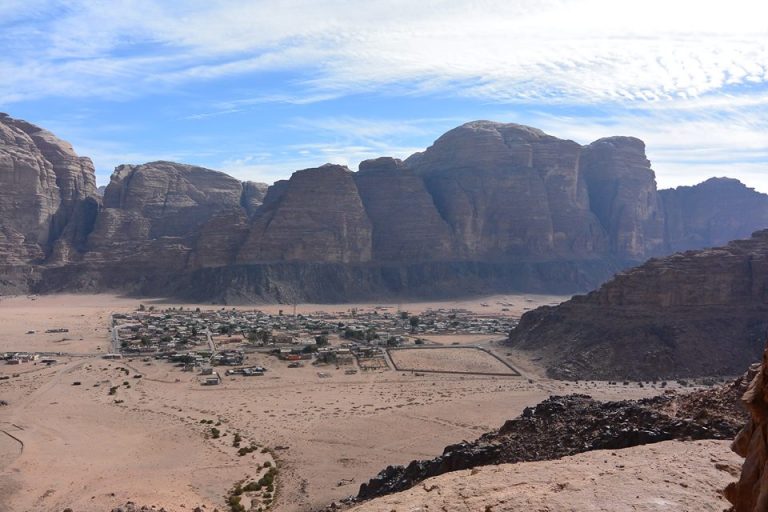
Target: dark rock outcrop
(696,313)
(567,425)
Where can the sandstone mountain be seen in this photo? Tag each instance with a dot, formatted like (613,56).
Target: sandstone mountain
(489,207)
(696,313)
(48,201)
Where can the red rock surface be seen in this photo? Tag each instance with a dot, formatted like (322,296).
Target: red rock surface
(750,493)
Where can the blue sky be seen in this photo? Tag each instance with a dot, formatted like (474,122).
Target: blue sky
(259,89)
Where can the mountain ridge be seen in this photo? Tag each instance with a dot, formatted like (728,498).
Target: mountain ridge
(494,205)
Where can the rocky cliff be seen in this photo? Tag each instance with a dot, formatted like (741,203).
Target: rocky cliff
(712,213)
(155,212)
(690,314)
(750,493)
(489,207)
(510,191)
(316,216)
(48,201)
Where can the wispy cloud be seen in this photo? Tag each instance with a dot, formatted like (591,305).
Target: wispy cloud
(519,51)
(689,77)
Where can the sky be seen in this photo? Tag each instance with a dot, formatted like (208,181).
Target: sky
(259,89)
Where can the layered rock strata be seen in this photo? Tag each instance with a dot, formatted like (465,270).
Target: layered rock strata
(696,313)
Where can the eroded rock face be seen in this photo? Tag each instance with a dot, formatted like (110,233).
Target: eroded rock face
(622,193)
(253,196)
(406,224)
(698,313)
(316,216)
(47,195)
(750,493)
(155,212)
(510,191)
(489,206)
(712,213)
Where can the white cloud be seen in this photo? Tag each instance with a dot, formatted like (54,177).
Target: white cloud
(577,51)
(689,77)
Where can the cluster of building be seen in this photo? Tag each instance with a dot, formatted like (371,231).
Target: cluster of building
(24,357)
(19,357)
(196,338)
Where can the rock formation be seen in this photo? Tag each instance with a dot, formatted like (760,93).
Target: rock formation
(406,224)
(671,475)
(48,200)
(750,493)
(696,313)
(153,215)
(712,213)
(510,192)
(561,426)
(489,207)
(317,216)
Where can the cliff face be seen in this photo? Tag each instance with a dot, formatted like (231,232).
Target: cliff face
(712,213)
(510,191)
(622,193)
(697,313)
(48,197)
(316,216)
(488,207)
(750,493)
(406,224)
(154,213)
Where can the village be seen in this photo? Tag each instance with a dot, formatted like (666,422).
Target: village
(201,339)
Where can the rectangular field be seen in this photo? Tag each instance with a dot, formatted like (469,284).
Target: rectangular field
(467,360)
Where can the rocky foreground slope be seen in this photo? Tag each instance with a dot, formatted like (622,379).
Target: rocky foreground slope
(685,476)
(750,492)
(567,425)
(698,313)
(489,207)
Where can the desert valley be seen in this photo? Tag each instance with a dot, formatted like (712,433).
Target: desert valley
(87,432)
(390,256)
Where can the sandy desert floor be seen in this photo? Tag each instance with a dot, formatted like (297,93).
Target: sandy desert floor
(89,450)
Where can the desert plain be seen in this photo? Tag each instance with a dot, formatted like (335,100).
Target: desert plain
(68,441)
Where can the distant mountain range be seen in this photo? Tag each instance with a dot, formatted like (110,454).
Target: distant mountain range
(489,207)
